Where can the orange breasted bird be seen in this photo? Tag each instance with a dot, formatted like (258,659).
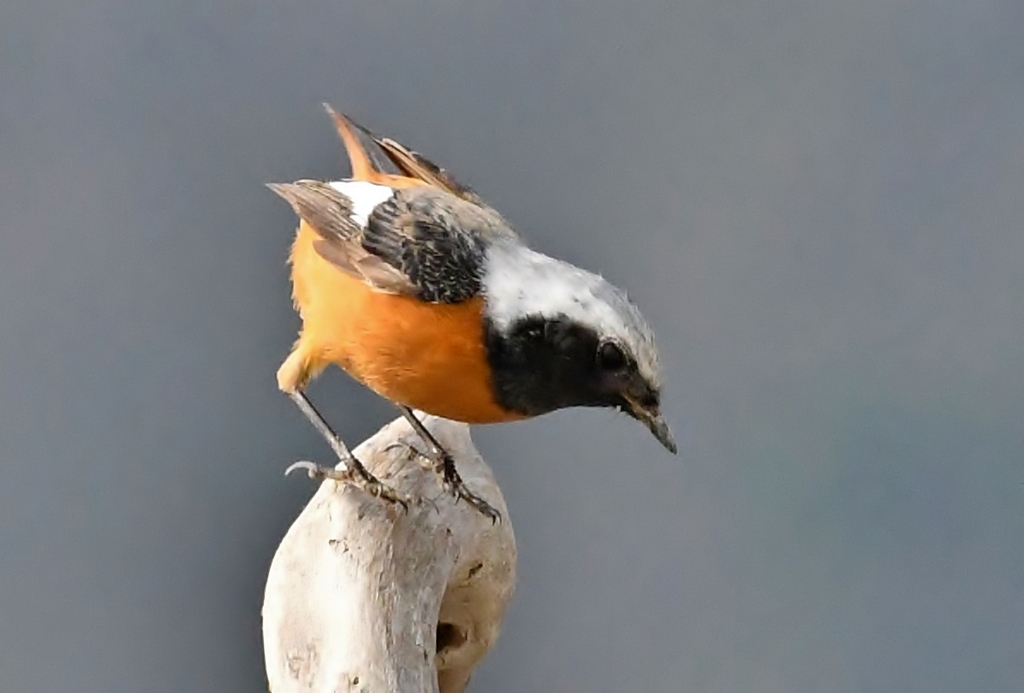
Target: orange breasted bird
(420,290)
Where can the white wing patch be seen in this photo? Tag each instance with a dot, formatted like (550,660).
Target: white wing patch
(365,197)
(520,282)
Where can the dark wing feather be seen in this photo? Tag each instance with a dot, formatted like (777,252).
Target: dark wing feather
(422,233)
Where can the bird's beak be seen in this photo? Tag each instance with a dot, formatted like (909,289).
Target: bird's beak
(655,422)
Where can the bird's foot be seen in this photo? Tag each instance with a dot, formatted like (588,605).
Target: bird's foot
(454,484)
(451,481)
(356,474)
(444,466)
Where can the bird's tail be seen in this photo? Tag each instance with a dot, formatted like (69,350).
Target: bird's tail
(417,169)
(363,166)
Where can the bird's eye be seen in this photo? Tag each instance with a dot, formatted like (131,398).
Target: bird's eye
(610,357)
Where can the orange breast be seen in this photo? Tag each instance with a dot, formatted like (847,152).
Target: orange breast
(425,355)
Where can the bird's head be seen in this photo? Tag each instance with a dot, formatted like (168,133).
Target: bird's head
(559,336)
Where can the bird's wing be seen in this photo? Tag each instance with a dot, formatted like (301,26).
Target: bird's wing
(420,241)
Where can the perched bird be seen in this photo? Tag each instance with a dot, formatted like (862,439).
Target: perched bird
(421,291)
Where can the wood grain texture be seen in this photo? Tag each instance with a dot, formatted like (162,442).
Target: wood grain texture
(361,596)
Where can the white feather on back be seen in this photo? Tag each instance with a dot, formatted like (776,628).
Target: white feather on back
(364,195)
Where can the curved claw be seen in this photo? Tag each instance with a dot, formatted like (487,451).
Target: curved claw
(402,445)
(412,453)
(312,469)
(357,476)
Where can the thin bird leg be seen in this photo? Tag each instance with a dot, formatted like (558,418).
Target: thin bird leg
(444,465)
(354,471)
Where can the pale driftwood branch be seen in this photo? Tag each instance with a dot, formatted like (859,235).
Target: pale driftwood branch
(360,593)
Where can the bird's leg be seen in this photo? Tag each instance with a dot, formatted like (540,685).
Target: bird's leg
(354,471)
(444,465)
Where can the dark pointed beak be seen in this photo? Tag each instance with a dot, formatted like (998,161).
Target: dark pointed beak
(655,422)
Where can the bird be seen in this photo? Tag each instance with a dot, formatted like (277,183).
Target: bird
(420,290)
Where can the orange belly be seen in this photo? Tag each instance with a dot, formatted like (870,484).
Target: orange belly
(428,356)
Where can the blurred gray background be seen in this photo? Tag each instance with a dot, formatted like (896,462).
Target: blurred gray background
(818,204)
